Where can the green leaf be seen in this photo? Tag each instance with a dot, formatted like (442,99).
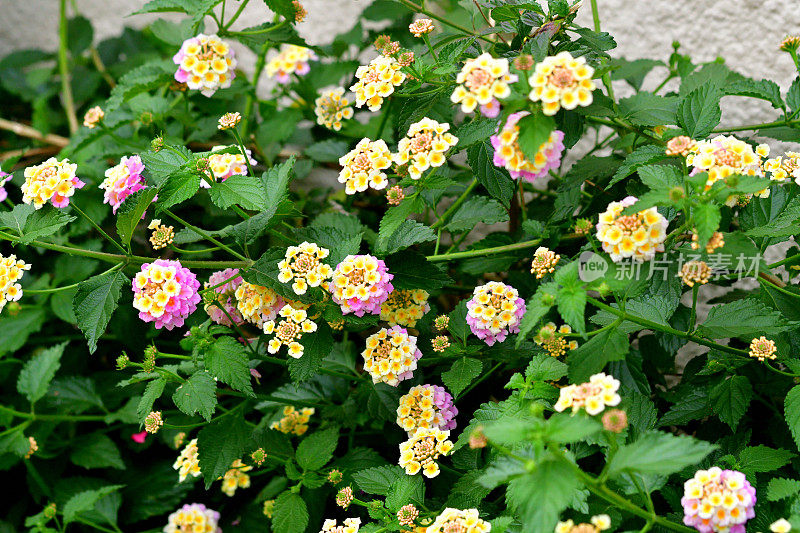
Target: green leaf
(497,183)
(161,6)
(411,270)
(648,109)
(694,405)
(177,188)
(95,302)
(244,191)
(660,176)
(153,391)
(227,361)
(142,78)
(659,453)
(634,72)
(571,303)
(457,325)
(284,8)
(408,233)
(763,458)
(781,488)
(566,428)
(545,368)
(162,164)
(791,410)
(793,96)
(707,218)
(378,480)
(699,112)
(405,490)
(474,131)
(644,155)
(396,215)
(35,377)
(542,495)
(535,309)
(86,501)
(784,223)
(592,356)
(730,399)
(534,131)
(763,89)
(382,401)
(316,450)
(461,374)
(265,272)
(290,514)
(477,210)
(130,213)
(220,443)
(197,395)
(327,151)
(316,347)
(31,224)
(96,451)
(746,318)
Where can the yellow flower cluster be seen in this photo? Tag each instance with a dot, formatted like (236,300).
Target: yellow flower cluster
(187,462)
(552,339)
(458,520)
(205,63)
(594,396)
(292,59)
(695,272)
(762,348)
(784,167)
(544,262)
(405,307)
(53,180)
(257,304)
(228,121)
(599,523)
(424,146)
(303,266)
(93,116)
(377,81)
(482,80)
(364,165)
(639,236)
(293,324)
(562,81)
(193,518)
(11,271)
(422,449)
(331,109)
(294,422)
(350,525)
(236,477)
(391,355)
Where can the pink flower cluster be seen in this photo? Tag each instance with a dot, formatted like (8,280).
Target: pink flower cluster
(224,295)
(494,311)
(717,500)
(122,181)
(426,406)
(4,177)
(361,284)
(165,292)
(509,155)
(193,517)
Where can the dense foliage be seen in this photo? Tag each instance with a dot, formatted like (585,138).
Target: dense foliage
(200,330)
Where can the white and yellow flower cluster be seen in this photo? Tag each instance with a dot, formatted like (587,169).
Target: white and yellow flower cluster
(466,520)
(187,463)
(292,59)
(552,339)
(54,181)
(193,518)
(236,477)
(391,355)
(424,146)
(784,167)
(594,396)
(422,449)
(350,525)
(287,331)
(598,523)
(377,81)
(482,81)
(331,108)
(303,266)
(294,422)
(638,236)
(257,304)
(11,271)
(363,166)
(562,81)
(205,63)
(725,155)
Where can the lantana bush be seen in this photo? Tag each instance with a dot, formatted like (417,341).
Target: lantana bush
(459,270)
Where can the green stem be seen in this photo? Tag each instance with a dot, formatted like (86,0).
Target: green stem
(453,208)
(236,14)
(430,47)
(63,68)
(666,329)
(72,286)
(606,78)
(750,127)
(492,251)
(205,235)
(243,150)
(787,260)
(52,418)
(203,251)
(251,94)
(262,31)
(479,381)
(98,228)
(693,315)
